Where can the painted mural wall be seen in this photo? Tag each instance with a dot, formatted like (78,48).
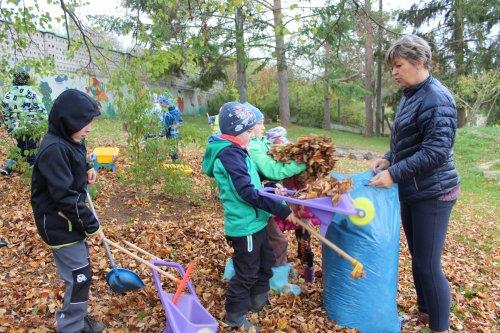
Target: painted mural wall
(190,101)
(51,87)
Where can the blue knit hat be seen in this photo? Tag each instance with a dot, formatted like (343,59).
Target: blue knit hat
(165,100)
(259,116)
(235,118)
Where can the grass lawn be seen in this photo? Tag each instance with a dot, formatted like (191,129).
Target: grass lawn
(194,127)
(342,139)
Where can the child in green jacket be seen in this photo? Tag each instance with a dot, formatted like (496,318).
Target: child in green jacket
(270,169)
(246,213)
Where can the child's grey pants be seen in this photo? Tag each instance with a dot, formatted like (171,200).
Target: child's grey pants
(73,266)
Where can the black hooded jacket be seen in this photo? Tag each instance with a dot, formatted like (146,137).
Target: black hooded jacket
(59,180)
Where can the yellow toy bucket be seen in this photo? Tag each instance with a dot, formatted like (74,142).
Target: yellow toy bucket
(106,154)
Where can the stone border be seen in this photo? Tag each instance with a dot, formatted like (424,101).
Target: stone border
(355,154)
(487,173)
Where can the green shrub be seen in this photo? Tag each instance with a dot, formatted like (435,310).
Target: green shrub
(228,94)
(147,152)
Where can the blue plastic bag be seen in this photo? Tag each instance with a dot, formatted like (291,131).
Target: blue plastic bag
(367,304)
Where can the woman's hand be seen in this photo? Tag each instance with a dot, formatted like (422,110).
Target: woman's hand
(91,176)
(379,165)
(383,179)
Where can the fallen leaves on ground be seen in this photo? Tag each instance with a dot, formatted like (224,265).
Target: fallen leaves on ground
(179,230)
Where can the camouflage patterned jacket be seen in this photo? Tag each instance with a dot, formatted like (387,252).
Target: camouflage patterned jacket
(23,110)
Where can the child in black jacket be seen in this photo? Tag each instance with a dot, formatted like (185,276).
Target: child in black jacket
(58,193)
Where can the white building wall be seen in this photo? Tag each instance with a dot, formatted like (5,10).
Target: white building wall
(71,73)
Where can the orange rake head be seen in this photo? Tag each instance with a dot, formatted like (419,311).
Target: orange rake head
(182,283)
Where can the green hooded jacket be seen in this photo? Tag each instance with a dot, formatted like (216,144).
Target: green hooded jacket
(245,210)
(269,167)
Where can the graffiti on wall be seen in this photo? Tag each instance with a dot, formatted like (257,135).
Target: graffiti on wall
(61,78)
(46,92)
(180,103)
(188,101)
(97,89)
(201,104)
(52,86)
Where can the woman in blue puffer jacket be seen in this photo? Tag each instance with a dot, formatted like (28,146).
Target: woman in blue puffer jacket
(420,161)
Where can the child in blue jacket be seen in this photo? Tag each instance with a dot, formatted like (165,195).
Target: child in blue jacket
(246,213)
(172,119)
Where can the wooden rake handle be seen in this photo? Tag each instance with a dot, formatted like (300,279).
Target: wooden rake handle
(135,247)
(181,283)
(358,267)
(145,262)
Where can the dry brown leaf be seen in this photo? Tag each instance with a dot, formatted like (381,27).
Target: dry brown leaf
(28,295)
(315,151)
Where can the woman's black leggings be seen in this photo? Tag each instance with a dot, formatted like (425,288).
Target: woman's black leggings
(425,224)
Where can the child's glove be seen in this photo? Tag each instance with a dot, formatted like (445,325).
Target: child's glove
(280,190)
(277,135)
(300,212)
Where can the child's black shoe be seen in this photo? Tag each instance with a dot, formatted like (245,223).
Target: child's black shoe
(238,320)
(92,326)
(309,274)
(259,301)
(4,171)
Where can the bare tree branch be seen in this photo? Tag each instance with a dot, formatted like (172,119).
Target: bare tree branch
(82,32)
(86,39)
(265,4)
(67,29)
(374,20)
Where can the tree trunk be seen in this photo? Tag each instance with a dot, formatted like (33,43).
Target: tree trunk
(328,94)
(378,110)
(368,72)
(458,50)
(284,106)
(338,109)
(241,76)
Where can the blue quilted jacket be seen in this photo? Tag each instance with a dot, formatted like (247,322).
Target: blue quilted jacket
(422,141)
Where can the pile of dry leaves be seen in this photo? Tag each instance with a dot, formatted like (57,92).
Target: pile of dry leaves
(326,186)
(317,152)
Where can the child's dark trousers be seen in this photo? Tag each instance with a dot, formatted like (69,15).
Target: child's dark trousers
(253,260)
